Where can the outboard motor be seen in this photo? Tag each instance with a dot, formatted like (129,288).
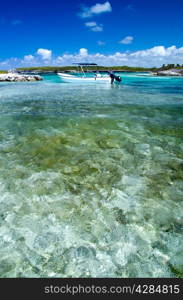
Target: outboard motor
(118,78)
(114,77)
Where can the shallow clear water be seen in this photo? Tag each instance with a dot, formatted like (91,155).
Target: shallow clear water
(91,178)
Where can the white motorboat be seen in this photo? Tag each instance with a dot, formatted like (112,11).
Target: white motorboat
(72,78)
(95,77)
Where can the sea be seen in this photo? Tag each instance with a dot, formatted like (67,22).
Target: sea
(91,178)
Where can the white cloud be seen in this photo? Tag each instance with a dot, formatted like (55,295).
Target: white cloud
(101,8)
(4,63)
(83,52)
(28,57)
(159,52)
(101,43)
(155,56)
(127,40)
(96,9)
(44,53)
(10,63)
(94,26)
(97,28)
(90,24)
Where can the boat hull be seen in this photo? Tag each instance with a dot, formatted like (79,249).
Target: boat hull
(72,78)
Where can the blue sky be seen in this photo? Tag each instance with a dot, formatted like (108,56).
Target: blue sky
(123,32)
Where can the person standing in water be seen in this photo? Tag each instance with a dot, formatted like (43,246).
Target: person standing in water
(97,75)
(111,74)
(117,78)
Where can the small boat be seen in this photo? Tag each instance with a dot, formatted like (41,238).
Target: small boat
(72,78)
(96,78)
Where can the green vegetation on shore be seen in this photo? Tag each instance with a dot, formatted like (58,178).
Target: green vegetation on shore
(3,72)
(55,69)
(89,68)
(101,68)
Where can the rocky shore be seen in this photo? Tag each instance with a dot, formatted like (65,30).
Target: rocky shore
(170,72)
(19,77)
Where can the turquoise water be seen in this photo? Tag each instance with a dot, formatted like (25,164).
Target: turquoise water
(91,178)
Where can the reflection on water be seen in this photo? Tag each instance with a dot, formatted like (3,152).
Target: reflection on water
(91,179)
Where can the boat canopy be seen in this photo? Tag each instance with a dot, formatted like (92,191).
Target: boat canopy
(85,64)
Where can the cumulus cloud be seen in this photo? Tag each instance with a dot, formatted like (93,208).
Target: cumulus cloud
(127,40)
(10,63)
(159,51)
(83,52)
(101,8)
(28,57)
(155,56)
(96,9)
(97,28)
(44,53)
(93,26)
(90,24)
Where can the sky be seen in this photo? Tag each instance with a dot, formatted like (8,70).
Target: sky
(143,33)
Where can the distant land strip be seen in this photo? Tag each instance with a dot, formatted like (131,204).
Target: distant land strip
(55,69)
